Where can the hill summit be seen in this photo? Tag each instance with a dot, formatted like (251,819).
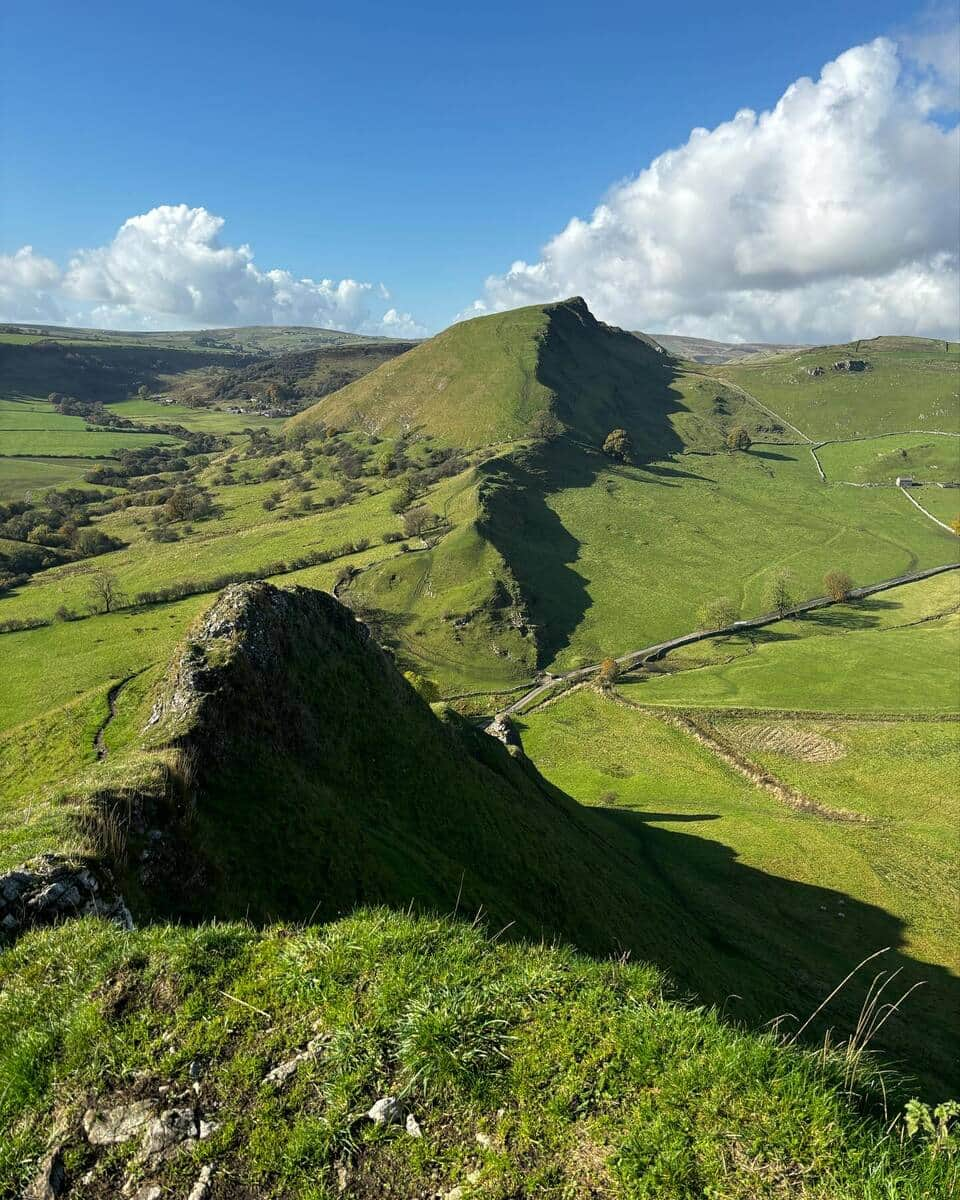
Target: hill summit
(526,373)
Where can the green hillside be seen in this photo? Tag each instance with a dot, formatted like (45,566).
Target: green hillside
(513,375)
(527,1070)
(280,768)
(906,384)
(751,814)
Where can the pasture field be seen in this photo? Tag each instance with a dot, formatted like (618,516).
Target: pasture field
(197,420)
(725,850)
(76,443)
(911,383)
(21,475)
(645,550)
(927,457)
(944,503)
(892,653)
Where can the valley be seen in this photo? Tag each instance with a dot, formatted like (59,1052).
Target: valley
(262,593)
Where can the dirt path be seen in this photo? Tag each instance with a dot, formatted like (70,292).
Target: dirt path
(99,738)
(659,649)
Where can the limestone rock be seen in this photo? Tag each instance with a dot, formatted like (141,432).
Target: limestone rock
(50,1181)
(108,1127)
(52,888)
(386,1111)
(201,1189)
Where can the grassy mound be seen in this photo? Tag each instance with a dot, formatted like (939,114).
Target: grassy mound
(511,375)
(528,1070)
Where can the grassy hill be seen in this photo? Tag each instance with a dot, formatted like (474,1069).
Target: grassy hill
(907,384)
(705,350)
(267,339)
(280,768)
(508,376)
(529,1070)
(458,499)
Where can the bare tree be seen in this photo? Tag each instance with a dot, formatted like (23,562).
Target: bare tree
(739,439)
(105,592)
(608,673)
(839,585)
(417,520)
(617,445)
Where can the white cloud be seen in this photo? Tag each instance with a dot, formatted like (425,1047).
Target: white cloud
(832,216)
(28,284)
(168,268)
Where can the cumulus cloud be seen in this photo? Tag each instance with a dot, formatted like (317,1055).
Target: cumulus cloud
(832,216)
(169,268)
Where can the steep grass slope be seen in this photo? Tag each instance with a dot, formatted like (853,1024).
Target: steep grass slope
(503,377)
(527,1071)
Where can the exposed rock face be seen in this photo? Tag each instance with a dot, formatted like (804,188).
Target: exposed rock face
(502,728)
(52,888)
(813,372)
(851,364)
(241,648)
(50,1181)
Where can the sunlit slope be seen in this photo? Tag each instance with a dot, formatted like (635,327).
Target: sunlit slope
(529,372)
(907,384)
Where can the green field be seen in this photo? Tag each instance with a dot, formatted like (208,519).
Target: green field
(911,383)
(880,460)
(54,443)
(718,829)
(943,503)
(197,420)
(21,475)
(904,641)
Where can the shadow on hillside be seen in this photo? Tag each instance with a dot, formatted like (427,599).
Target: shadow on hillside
(762,946)
(608,381)
(849,619)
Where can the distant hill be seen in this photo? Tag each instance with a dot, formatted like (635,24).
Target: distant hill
(294,379)
(244,339)
(867,387)
(704,350)
(527,373)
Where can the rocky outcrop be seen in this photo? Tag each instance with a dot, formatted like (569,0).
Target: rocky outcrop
(52,888)
(851,364)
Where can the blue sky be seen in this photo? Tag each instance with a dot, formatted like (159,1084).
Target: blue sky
(426,146)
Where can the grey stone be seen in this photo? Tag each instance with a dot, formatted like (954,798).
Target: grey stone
(50,1182)
(201,1189)
(413,1126)
(169,1130)
(107,1127)
(386,1111)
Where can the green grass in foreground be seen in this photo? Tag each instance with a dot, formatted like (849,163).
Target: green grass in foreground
(895,652)
(882,459)
(581,1079)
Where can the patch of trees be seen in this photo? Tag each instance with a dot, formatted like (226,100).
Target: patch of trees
(617,445)
(58,521)
(739,439)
